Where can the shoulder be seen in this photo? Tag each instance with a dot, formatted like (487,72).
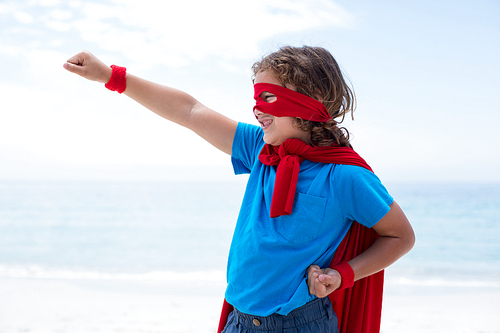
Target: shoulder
(247,144)
(247,137)
(343,173)
(361,195)
(354,181)
(249,131)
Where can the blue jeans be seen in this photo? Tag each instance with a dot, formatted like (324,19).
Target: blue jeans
(315,317)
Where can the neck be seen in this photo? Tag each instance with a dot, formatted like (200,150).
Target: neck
(306,138)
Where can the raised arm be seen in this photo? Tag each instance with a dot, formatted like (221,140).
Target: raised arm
(170,103)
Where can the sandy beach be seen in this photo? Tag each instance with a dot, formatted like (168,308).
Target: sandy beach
(459,311)
(52,306)
(86,306)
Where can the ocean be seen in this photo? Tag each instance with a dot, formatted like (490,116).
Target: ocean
(159,231)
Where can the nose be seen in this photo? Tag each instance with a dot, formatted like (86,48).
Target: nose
(257,113)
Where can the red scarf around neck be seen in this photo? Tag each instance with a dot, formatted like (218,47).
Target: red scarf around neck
(288,157)
(358,308)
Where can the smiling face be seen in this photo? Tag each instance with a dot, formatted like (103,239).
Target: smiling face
(276,129)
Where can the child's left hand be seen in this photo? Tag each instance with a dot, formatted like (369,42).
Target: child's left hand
(322,282)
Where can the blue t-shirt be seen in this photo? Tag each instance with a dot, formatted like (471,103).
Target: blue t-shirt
(268,258)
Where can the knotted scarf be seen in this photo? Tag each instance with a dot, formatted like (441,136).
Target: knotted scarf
(288,157)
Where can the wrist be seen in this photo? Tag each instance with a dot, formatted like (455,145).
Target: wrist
(118,79)
(346,274)
(106,75)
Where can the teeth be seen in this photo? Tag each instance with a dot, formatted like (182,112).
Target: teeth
(265,122)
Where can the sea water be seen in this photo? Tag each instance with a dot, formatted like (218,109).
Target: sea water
(158,231)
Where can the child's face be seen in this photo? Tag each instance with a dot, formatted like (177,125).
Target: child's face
(277,129)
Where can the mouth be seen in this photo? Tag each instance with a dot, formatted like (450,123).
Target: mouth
(265,123)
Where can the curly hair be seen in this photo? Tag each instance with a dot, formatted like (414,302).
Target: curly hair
(314,72)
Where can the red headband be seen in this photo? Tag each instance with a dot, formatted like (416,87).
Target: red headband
(289,103)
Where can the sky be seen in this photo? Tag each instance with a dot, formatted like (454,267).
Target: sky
(426,76)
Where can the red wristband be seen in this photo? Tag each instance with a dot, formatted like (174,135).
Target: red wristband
(346,273)
(118,80)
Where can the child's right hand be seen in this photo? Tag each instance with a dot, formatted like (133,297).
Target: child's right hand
(88,66)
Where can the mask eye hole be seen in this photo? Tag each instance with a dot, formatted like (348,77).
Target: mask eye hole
(268,97)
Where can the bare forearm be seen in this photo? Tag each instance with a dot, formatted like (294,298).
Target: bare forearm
(383,253)
(396,239)
(170,103)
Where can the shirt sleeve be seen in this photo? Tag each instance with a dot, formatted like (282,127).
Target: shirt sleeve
(247,145)
(361,195)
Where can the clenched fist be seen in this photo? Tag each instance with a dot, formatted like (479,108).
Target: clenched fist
(88,66)
(322,282)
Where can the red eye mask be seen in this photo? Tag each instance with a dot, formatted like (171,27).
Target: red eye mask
(289,103)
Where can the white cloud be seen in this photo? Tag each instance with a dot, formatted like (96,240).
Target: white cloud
(8,50)
(91,26)
(176,33)
(8,7)
(75,4)
(23,17)
(61,14)
(47,3)
(56,42)
(58,25)
(45,68)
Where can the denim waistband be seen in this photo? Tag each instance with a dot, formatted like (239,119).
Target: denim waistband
(312,311)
